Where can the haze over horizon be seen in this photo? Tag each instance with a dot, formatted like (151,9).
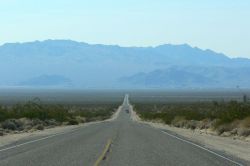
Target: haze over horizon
(221,26)
(67,63)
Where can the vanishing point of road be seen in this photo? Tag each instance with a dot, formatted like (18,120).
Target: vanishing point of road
(121,142)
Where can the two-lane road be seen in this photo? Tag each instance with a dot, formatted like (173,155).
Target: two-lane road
(121,142)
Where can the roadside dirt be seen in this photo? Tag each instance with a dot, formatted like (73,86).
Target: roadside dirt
(115,115)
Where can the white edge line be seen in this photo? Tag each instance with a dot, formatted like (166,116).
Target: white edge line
(47,137)
(40,139)
(189,142)
(50,136)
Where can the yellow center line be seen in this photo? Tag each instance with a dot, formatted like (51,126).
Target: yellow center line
(104,152)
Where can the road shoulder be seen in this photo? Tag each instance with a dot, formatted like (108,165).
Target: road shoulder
(230,146)
(20,137)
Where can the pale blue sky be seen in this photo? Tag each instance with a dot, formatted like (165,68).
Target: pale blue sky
(220,25)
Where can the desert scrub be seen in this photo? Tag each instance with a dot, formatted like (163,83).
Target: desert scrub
(36,115)
(220,116)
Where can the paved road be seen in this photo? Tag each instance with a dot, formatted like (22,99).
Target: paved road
(121,142)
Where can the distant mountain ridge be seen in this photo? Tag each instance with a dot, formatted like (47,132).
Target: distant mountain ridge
(191,77)
(170,53)
(112,66)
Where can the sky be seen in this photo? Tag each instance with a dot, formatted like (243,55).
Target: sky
(220,25)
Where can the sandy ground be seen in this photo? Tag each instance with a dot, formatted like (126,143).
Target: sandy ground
(12,138)
(229,145)
(115,115)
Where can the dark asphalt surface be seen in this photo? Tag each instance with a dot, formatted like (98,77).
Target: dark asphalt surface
(132,144)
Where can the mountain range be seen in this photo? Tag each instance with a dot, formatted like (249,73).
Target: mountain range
(66,63)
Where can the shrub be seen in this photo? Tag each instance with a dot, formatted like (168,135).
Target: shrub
(245,123)
(40,127)
(34,113)
(243,132)
(9,124)
(223,128)
(179,121)
(215,114)
(73,122)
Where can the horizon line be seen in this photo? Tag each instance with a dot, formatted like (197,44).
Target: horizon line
(124,46)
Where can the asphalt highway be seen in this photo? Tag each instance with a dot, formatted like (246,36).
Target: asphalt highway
(121,142)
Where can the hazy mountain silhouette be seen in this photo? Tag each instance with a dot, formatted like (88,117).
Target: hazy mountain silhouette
(191,77)
(107,66)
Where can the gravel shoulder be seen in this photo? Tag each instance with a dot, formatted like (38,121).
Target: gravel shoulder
(229,145)
(16,137)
